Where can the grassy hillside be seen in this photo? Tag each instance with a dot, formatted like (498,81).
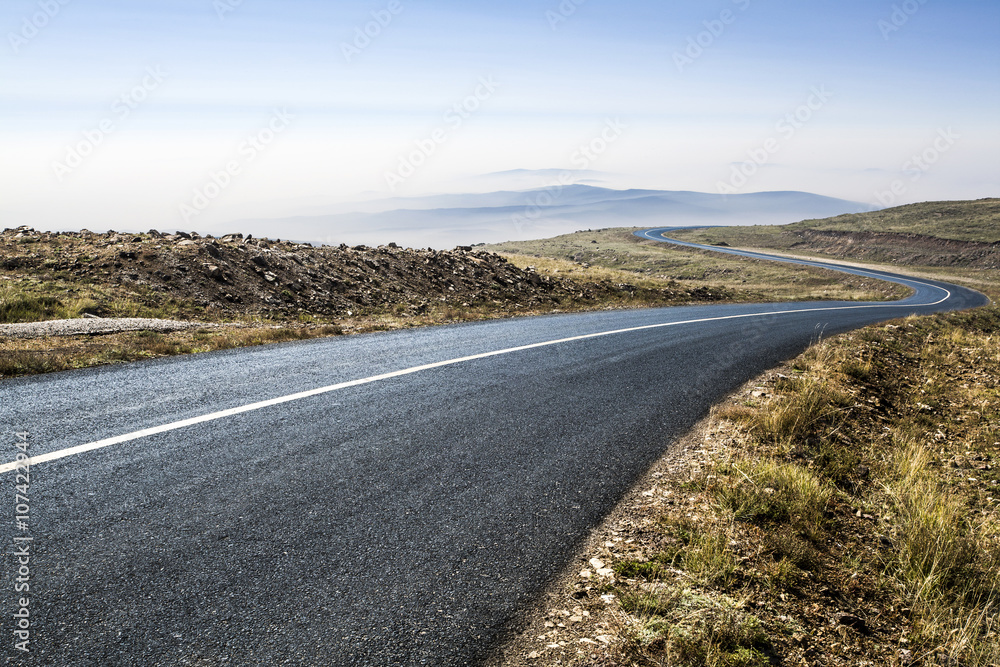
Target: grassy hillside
(968,221)
(975,221)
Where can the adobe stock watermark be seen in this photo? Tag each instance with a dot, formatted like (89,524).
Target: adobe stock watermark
(249,150)
(918,165)
(583,158)
(372,30)
(453,119)
(32,26)
(900,16)
(224,7)
(698,44)
(23,618)
(562,13)
(787,127)
(121,108)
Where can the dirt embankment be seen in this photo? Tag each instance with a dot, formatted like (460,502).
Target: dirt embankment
(895,248)
(231,276)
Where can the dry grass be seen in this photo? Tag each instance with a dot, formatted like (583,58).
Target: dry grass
(21,305)
(44,355)
(689,630)
(773,492)
(37,300)
(805,404)
(946,560)
(934,381)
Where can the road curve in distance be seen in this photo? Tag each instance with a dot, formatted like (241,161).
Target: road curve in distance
(936,295)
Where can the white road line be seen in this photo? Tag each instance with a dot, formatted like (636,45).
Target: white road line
(117,440)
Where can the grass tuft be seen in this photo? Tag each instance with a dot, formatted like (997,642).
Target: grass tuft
(944,559)
(770,492)
(689,630)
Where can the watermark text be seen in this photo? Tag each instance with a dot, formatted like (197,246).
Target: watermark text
(453,118)
(32,26)
(121,108)
(583,158)
(899,17)
(715,28)
(562,13)
(21,552)
(917,166)
(249,150)
(786,128)
(372,30)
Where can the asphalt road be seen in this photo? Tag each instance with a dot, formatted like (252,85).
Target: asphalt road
(385,499)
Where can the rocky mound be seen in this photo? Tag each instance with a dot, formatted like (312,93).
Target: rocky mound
(235,275)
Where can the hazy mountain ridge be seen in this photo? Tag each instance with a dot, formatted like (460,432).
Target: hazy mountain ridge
(454,219)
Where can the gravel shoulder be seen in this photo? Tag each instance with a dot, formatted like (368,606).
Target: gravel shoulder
(95,326)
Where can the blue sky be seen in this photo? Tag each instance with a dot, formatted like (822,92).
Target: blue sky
(873,84)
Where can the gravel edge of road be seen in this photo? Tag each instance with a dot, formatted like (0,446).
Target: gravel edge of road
(94,326)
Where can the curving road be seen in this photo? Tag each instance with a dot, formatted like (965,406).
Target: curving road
(384,499)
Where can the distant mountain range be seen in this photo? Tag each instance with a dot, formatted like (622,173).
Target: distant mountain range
(529,179)
(443,221)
